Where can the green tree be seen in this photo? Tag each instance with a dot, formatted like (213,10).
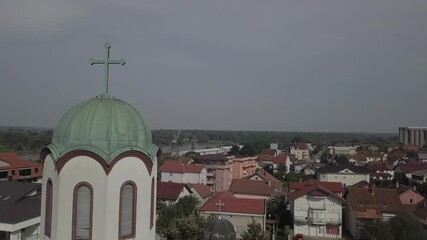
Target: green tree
(254,232)
(401,178)
(187,228)
(235,149)
(375,230)
(248,150)
(281,172)
(405,226)
(342,160)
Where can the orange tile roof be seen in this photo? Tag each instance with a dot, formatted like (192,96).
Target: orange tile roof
(335,187)
(314,189)
(14,162)
(202,189)
(234,205)
(251,187)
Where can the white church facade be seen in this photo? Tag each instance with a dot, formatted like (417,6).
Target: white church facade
(99,172)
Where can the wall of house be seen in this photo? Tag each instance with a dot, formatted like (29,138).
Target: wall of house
(315,212)
(347,179)
(250,196)
(350,218)
(184,177)
(409,195)
(171,177)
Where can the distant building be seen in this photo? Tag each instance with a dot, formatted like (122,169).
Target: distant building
(262,175)
(13,168)
(219,171)
(20,210)
(244,166)
(408,195)
(342,150)
(409,168)
(201,192)
(347,175)
(178,172)
(335,187)
(413,136)
(300,151)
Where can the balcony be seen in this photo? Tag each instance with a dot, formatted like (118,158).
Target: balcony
(317,207)
(323,221)
(300,219)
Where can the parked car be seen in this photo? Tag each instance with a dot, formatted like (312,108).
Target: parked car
(299,236)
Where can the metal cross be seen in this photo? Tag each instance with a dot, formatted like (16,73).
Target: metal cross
(106,61)
(219,204)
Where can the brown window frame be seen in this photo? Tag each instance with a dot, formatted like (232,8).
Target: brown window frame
(74,227)
(134,205)
(48,209)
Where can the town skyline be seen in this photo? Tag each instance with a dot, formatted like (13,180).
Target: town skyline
(246,65)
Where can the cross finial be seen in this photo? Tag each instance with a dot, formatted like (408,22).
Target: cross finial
(219,204)
(106,61)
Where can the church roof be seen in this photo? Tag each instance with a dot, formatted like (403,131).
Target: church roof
(104,125)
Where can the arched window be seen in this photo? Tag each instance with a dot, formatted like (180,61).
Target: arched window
(48,209)
(127,212)
(82,211)
(152,204)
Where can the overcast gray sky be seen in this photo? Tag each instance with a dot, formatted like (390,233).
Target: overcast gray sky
(331,65)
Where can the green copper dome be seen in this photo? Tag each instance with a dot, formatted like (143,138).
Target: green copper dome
(104,125)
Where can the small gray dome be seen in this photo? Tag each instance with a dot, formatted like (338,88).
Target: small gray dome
(219,229)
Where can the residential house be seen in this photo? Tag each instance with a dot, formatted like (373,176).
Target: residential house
(270,152)
(309,169)
(244,166)
(20,210)
(262,175)
(219,171)
(380,170)
(239,211)
(178,172)
(367,204)
(246,188)
(317,211)
(408,195)
(13,168)
(275,162)
(346,174)
(300,151)
(170,192)
(409,168)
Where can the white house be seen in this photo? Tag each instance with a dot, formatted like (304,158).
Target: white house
(317,211)
(347,175)
(178,172)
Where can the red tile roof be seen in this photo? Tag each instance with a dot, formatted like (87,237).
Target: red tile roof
(280,159)
(266,176)
(313,189)
(169,190)
(201,189)
(251,187)
(335,187)
(179,167)
(269,152)
(15,162)
(412,167)
(234,205)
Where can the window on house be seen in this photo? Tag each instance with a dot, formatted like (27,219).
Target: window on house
(48,210)
(82,212)
(332,230)
(36,170)
(3,174)
(411,201)
(13,172)
(25,172)
(127,210)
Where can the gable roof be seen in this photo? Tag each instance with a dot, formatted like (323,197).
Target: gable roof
(411,167)
(250,187)
(340,168)
(335,187)
(314,189)
(269,152)
(201,189)
(170,190)
(234,205)
(371,202)
(179,167)
(19,201)
(280,159)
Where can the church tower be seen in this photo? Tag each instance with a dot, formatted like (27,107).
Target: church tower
(99,172)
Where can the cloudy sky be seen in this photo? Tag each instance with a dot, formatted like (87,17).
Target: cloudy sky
(285,65)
